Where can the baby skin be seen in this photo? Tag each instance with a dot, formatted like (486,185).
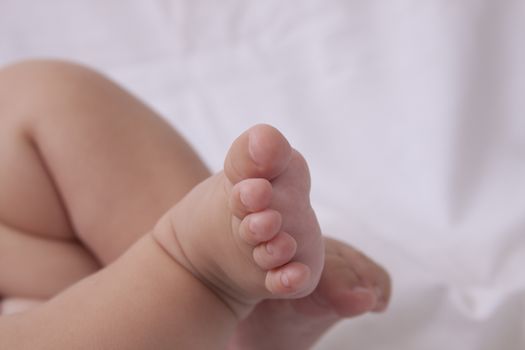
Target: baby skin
(255,237)
(238,262)
(241,236)
(249,232)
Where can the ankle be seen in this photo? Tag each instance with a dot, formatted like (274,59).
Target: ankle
(165,237)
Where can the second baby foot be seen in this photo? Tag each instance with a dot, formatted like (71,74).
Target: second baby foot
(249,232)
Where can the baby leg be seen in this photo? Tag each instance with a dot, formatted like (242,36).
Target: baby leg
(236,238)
(77,112)
(88,162)
(88,166)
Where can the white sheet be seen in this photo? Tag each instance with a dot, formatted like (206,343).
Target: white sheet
(411,114)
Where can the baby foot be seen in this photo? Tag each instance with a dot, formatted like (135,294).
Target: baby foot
(351,284)
(249,232)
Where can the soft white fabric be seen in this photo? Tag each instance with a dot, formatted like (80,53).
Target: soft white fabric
(411,114)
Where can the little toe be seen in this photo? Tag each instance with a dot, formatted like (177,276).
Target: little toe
(250,195)
(276,252)
(261,151)
(260,227)
(292,279)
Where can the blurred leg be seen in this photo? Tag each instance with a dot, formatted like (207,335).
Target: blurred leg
(33,266)
(85,164)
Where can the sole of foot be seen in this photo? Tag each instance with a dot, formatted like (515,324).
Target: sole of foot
(249,232)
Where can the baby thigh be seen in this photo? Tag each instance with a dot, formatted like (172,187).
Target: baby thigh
(85,165)
(39,254)
(38,267)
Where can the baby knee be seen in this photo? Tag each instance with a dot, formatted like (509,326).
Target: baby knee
(43,73)
(32,86)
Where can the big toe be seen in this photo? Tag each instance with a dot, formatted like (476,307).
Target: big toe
(352,283)
(260,152)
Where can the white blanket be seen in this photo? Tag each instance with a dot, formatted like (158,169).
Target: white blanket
(411,114)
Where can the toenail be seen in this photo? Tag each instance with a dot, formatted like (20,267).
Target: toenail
(252,148)
(254,225)
(243,198)
(363,290)
(269,248)
(372,292)
(285,280)
(378,292)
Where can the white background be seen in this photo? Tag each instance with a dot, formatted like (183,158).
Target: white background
(411,114)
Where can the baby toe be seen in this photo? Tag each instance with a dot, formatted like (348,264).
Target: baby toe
(260,152)
(250,195)
(260,227)
(292,279)
(276,252)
